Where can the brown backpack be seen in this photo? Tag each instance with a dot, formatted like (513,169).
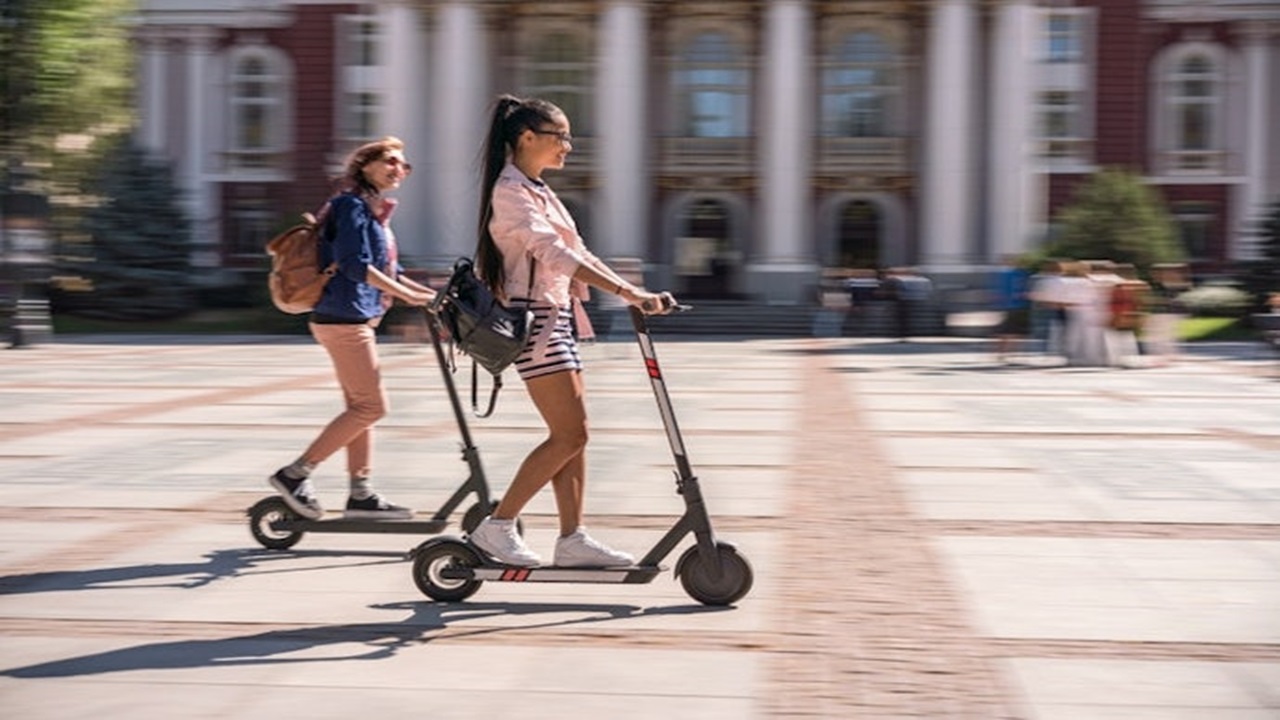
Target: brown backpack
(296,280)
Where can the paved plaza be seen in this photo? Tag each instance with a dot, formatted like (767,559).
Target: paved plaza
(933,535)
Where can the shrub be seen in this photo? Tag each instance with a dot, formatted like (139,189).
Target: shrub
(1215,301)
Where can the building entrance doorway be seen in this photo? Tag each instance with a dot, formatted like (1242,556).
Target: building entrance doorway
(706,261)
(861,225)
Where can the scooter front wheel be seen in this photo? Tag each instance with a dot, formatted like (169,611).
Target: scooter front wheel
(430,564)
(704,584)
(266,512)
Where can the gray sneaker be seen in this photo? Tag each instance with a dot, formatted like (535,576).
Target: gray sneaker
(500,539)
(582,550)
(299,495)
(375,507)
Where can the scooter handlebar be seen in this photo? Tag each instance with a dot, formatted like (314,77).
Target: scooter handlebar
(667,304)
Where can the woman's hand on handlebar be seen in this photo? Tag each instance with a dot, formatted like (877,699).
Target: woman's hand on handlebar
(649,303)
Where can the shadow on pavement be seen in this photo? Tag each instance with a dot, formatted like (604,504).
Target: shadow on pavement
(218,565)
(379,640)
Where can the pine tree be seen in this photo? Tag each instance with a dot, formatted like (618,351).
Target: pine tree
(1116,216)
(138,244)
(1269,236)
(1262,276)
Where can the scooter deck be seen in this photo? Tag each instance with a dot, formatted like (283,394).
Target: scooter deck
(629,575)
(360,525)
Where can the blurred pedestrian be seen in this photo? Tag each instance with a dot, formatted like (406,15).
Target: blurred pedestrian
(1082,335)
(1011,299)
(833,304)
(909,292)
(1160,333)
(1127,315)
(1048,307)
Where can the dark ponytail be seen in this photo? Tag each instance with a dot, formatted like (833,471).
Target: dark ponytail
(510,117)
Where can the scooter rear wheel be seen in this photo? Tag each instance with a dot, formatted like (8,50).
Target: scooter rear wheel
(263,514)
(429,563)
(701,582)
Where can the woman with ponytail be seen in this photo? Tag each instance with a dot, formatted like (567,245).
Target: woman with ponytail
(529,251)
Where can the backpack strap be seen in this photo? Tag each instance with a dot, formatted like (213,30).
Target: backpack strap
(475,392)
(322,225)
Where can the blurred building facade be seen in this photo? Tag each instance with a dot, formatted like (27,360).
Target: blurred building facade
(738,147)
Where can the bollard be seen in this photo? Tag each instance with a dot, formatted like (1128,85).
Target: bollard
(32,324)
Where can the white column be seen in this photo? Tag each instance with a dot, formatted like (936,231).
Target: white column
(200,192)
(783,263)
(622,136)
(948,178)
(1253,196)
(153,94)
(1013,179)
(459,108)
(406,116)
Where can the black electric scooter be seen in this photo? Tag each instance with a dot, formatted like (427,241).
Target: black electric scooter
(277,527)
(712,572)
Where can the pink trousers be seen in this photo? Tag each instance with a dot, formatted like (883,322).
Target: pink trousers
(354,352)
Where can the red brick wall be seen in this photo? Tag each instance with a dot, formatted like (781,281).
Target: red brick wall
(1122,58)
(311,43)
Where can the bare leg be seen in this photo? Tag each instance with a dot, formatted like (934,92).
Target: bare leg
(559,399)
(570,487)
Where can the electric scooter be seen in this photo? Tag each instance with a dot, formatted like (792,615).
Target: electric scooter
(712,571)
(277,527)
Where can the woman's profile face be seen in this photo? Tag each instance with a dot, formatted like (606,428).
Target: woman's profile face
(547,145)
(387,172)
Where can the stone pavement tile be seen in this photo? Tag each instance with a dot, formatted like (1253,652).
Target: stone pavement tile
(1119,589)
(91,495)
(944,452)
(990,495)
(1104,689)
(17,547)
(1054,478)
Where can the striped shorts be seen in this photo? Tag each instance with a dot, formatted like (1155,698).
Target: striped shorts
(551,347)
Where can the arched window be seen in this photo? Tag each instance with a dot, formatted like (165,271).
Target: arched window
(259,101)
(1192,86)
(360,100)
(711,84)
(1194,100)
(559,70)
(859,87)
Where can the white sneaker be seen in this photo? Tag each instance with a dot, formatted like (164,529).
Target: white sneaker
(582,550)
(500,539)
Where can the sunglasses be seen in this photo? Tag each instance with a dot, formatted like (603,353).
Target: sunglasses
(396,162)
(563,137)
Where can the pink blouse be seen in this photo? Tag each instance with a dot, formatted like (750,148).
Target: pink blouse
(530,221)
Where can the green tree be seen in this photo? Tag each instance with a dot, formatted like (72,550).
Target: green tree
(136,244)
(1116,216)
(66,67)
